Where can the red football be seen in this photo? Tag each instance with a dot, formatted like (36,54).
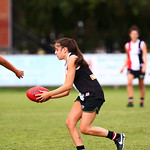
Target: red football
(35,90)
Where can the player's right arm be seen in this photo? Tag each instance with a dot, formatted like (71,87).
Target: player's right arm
(126,61)
(8,65)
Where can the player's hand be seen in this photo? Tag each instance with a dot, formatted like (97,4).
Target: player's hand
(44,96)
(122,69)
(143,69)
(19,73)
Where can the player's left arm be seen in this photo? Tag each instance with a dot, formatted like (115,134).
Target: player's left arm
(66,93)
(5,63)
(67,85)
(144,52)
(61,95)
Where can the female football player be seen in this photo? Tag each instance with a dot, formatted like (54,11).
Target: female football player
(8,65)
(90,98)
(136,62)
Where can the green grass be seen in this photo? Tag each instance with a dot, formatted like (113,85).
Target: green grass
(25,125)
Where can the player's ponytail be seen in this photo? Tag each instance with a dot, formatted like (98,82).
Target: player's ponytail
(74,49)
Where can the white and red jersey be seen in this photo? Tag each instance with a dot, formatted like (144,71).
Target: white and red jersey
(134,51)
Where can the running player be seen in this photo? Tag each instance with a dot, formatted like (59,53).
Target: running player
(90,98)
(8,65)
(136,62)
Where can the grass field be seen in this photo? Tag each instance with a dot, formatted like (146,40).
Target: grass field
(25,125)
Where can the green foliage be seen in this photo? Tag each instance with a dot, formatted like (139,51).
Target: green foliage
(26,125)
(102,18)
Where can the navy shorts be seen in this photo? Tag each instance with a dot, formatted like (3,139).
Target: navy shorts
(91,104)
(137,74)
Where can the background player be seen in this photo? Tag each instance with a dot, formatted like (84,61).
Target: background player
(136,62)
(8,65)
(90,98)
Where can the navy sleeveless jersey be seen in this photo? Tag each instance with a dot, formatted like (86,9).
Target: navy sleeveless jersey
(85,82)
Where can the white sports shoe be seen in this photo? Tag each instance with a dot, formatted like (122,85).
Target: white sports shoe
(120,141)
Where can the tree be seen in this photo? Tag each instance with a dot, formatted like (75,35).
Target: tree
(102,19)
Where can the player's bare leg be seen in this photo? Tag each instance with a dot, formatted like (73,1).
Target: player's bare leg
(130,78)
(86,128)
(74,116)
(142,91)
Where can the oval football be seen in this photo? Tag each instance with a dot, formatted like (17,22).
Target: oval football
(35,90)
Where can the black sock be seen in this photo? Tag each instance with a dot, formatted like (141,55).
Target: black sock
(80,147)
(112,135)
(131,99)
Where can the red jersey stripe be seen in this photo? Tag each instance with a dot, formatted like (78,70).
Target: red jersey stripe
(129,61)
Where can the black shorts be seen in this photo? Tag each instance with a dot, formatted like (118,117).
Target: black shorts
(91,104)
(137,74)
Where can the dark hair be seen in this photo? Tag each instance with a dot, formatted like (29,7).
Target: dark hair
(73,49)
(134,28)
